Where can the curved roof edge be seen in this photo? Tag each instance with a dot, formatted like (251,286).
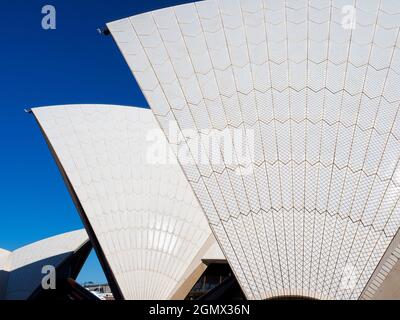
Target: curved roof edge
(30,260)
(383,284)
(39,114)
(52,123)
(86,105)
(3,257)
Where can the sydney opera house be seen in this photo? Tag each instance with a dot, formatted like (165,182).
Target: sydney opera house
(22,271)
(267,166)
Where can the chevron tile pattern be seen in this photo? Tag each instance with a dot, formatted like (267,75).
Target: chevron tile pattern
(320,95)
(149,226)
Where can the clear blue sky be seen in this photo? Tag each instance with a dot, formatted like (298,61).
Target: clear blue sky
(72,64)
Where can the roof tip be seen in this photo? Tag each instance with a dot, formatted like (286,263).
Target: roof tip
(104,31)
(28,110)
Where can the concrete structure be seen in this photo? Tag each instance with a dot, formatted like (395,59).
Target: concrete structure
(314,85)
(21,270)
(147,227)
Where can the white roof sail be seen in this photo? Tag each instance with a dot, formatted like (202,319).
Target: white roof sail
(4,254)
(313,87)
(138,202)
(214,254)
(21,270)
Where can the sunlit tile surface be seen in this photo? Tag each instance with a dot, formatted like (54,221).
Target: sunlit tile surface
(320,92)
(143,213)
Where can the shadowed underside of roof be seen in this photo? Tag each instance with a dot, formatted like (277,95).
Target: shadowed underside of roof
(22,272)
